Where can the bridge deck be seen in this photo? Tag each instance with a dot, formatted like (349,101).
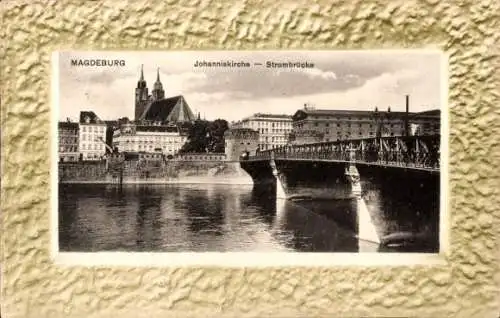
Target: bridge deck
(411,166)
(407,152)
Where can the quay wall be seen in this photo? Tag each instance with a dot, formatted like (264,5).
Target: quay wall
(168,172)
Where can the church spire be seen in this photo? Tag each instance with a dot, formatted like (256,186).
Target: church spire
(141,83)
(141,95)
(158,92)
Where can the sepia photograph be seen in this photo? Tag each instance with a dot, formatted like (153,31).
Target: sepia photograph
(293,152)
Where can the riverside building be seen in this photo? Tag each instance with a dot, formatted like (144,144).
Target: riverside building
(160,124)
(166,139)
(273,129)
(68,136)
(92,136)
(312,125)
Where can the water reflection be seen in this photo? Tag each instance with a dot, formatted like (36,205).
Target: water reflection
(201,218)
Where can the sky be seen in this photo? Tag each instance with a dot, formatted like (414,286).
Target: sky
(344,80)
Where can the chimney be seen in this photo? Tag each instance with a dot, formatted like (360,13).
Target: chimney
(407,131)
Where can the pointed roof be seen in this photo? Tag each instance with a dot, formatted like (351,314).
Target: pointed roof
(158,85)
(181,112)
(172,109)
(89,117)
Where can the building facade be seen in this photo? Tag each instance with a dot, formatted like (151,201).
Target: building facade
(334,125)
(68,136)
(165,139)
(426,123)
(92,136)
(238,141)
(273,130)
(319,125)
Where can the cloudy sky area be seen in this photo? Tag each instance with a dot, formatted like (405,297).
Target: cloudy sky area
(340,80)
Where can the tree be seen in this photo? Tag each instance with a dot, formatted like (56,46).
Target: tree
(206,136)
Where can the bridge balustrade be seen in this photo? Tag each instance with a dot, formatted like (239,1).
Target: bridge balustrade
(415,151)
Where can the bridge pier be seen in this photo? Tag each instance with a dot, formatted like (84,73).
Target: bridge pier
(367,230)
(280,188)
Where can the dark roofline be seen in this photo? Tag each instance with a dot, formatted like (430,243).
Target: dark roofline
(149,104)
(267,115)
(65,124)
(346,112)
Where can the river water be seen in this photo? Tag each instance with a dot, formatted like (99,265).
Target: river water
(228,218)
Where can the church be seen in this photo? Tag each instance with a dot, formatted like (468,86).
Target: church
(160,124)
(155,109)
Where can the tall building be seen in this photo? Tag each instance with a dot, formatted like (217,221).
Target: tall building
(319,125)
(68,141)
(141,95)
(155,108)
(273,129)
(92,136)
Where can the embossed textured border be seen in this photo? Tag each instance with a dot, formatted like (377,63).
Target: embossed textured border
(467,286)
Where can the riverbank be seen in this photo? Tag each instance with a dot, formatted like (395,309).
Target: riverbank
(171,173)
(187,180)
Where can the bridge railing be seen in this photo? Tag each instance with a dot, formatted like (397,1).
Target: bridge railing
(415,151)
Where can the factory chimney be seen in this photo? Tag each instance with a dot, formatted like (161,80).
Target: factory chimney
(407,116)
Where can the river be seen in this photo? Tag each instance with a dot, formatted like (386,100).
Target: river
(228,218)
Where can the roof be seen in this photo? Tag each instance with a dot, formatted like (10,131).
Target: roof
(149,128)
(172,109)
(261,115)
(303,113)
(111,122)
(433,112)
(67,125)
(343,112)
(89,117)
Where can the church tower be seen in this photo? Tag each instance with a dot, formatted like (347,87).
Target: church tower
(141,96)
(158,92)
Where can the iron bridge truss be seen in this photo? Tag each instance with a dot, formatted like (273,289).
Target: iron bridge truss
(416,152)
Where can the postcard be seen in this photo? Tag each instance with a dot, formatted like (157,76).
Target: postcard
(249,158)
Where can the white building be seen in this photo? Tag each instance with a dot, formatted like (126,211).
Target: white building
(151,138)
(92,135)
(273,129)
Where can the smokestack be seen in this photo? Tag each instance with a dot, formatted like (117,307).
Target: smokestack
(407,120)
